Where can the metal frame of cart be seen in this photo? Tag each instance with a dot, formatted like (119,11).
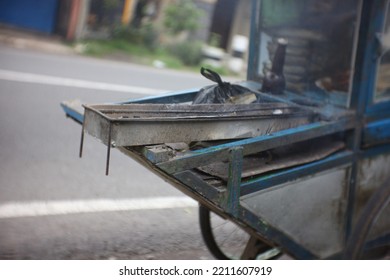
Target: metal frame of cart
(321,209)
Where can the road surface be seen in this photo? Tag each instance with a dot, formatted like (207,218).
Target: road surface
(54,205)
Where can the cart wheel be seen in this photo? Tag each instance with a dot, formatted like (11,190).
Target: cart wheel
(227,241)
(377,202)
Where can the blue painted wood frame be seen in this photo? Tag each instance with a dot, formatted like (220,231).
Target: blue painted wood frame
(254,42)
(253,145)
(376,24)
(377,132)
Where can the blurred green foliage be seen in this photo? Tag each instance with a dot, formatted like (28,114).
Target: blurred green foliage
(145,35)
(182,15)
(189,52)
(142,44)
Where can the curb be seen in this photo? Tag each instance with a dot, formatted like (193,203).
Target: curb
(38,44)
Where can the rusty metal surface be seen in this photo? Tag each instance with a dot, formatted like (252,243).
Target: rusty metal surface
(265,162)
(185,112)
(144,124)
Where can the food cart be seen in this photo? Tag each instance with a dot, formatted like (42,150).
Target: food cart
(304,167)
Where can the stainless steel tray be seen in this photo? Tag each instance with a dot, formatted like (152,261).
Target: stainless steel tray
(145,124)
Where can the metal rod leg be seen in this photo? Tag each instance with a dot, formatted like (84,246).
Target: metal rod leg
(108,149)
(82,140)
(251,249)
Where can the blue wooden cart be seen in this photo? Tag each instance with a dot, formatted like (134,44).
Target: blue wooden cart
(305,171)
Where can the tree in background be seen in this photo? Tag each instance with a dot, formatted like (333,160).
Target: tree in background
(180,19)
(181,16)
(145,9)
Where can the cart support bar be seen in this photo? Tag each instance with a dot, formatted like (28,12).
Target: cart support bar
(234,182)
(254,145)
(109,144)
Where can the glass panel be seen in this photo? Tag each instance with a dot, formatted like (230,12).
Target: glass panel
(320,48)
(382,91)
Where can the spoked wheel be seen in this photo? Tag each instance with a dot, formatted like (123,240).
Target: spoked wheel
(227,241)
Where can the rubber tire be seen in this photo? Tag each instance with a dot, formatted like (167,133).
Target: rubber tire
(207,234)
(377,202)
(209,238)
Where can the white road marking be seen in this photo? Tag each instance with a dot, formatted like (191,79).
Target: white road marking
(68,82)
(64,207)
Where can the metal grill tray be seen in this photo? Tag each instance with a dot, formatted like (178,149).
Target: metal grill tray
(145,124)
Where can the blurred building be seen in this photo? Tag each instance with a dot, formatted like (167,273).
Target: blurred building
(61,17)
(75,19)
(221,19)
(37,15)
(224,23)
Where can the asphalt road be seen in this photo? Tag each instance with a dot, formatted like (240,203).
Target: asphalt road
(44,185)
